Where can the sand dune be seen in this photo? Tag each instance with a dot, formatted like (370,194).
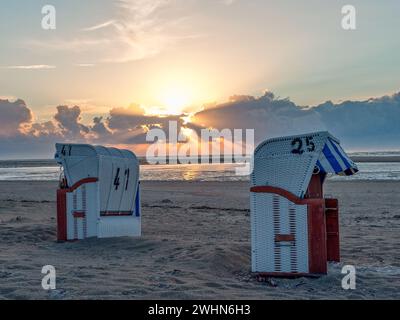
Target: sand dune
(195,245)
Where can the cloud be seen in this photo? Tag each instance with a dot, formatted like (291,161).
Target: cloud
(369,124)
(267,115)
(13,117)
(138,29)
(130,125)
(44,129)
(100,26)
(68,122)
(100,129)
(85,65)
(133,117)
(32,67)
(71,45)
(5,97)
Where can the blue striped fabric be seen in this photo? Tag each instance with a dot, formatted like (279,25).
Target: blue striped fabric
(334,160)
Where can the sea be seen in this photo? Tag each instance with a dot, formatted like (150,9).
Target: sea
(372,166)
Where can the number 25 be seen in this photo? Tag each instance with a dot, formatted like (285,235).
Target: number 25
(297,144)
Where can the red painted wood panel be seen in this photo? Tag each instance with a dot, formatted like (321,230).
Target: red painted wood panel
(61,215)
(317,255)
(314,189)
(62,207)
(78,214)
(286,194)
(332,230)
(284,237)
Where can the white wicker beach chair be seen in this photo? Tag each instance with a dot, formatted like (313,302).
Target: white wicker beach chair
(100,193)
(294,230)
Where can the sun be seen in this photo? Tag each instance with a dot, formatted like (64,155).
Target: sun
(175,99)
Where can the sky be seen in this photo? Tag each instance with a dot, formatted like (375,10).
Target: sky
(150,58)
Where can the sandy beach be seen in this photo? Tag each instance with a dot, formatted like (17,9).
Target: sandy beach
(195,245)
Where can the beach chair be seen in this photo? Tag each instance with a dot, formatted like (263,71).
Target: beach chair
(99,192)
(294,229)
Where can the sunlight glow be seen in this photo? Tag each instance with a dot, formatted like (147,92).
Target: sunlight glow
(175,99)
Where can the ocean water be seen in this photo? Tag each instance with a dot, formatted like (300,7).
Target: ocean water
(44,170)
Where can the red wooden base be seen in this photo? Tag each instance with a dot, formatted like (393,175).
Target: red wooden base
(61,215)
(62,207)
(332,230)
(317,239)
(323,227)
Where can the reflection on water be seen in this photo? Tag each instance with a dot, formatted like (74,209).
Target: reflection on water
(190,174)
(197,172)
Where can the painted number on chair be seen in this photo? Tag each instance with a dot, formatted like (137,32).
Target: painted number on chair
(116,179)
(64,151)
(127,178)
(298,145)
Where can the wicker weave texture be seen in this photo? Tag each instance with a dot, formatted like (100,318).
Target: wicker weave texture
(288,162)
(273,215)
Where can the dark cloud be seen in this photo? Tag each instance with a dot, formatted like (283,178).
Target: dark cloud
(130,127)
(13,116)
(99,128)
(267,115)
(369,124)
(374,123)
(68,120)
(44,129)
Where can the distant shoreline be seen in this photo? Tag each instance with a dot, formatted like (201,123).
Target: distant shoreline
(143,161)
(375,158)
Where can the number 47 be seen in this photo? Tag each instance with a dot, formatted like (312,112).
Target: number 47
(116,179)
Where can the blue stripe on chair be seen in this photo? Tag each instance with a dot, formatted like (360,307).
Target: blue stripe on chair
(344,159)
(137,201)
(331,159)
